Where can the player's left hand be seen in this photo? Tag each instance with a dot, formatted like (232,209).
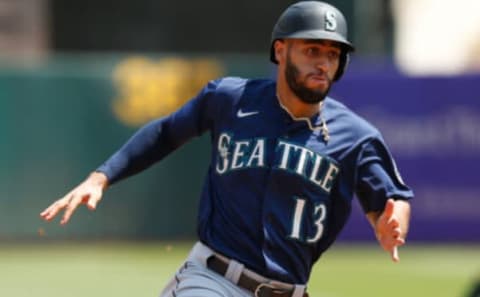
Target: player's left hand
(388,230)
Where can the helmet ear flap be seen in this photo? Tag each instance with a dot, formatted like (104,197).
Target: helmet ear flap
(342,65)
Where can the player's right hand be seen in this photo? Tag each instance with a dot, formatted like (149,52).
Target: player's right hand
(89,192)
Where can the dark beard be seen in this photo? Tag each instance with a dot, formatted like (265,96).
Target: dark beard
(303,93)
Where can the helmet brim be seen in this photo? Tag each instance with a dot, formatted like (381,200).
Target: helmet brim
(313,34)
(323,35)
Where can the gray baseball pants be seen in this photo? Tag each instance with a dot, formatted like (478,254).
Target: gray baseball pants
(194,279)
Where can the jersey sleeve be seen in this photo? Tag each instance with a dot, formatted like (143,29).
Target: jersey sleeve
(377,177)
(157,139)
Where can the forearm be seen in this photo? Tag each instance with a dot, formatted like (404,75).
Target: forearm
(144,148)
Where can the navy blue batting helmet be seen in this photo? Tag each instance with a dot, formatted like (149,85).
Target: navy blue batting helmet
(313,20)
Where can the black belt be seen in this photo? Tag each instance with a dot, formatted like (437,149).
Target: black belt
(259,289)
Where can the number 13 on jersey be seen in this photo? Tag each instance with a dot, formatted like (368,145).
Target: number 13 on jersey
(318,214)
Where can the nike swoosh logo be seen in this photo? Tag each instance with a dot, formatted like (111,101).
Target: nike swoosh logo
(242,114)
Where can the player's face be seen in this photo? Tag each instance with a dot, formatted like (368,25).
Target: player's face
(310,68)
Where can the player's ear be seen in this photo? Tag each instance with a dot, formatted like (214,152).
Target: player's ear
(280,49)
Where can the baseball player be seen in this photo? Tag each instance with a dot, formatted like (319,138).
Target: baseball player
(286,161)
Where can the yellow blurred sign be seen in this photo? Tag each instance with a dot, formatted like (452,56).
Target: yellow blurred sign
(149,89)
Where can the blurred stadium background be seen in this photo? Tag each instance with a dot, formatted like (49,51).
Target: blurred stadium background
(77,78)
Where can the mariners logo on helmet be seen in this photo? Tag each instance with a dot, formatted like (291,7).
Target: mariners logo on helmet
(313,20)
(330,21)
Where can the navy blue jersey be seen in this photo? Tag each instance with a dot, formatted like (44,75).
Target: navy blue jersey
(278,190)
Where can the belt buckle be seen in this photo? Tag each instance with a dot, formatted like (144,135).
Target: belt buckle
(260,289)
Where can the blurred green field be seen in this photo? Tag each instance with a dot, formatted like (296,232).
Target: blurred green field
(141,269)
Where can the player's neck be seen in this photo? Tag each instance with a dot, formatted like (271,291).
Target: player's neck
(293,104)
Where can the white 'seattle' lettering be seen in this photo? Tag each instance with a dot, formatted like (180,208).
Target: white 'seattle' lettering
(294,158)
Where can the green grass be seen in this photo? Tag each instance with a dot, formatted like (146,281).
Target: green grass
(141,269)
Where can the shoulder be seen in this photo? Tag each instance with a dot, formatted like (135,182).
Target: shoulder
(346,119)
(238,85)
(235,88)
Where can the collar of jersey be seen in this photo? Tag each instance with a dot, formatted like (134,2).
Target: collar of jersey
(322,127)
(308,120)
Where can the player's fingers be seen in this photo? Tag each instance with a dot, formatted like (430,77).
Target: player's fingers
(388,245)
(399,241)
(53,210)
(46,211)
(389,206)
(393,222)
(93,200)
(71,207)
(58,205)
(49,209)
(394,254)
(389,242)
(396,232)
